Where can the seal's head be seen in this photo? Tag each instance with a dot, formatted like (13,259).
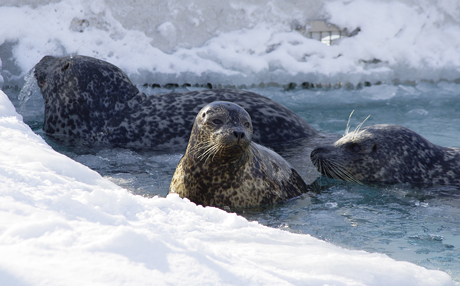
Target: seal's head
(222,131)
(81,94)
(89,77)
(380,154)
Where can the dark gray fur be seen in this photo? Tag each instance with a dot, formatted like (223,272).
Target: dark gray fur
(92,102)
(389,154)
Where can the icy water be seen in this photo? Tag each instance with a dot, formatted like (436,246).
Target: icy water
(416,225)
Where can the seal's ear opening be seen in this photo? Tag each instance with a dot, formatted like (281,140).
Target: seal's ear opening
(374,148)
(66,66)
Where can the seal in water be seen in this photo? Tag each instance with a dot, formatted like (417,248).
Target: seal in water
(222,167)
(91,102)
(388,154)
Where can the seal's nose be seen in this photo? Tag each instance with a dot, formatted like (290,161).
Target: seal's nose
(317,152)
(238,134)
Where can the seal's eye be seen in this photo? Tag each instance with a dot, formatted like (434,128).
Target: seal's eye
(65,67)
(247,125)
(374,148)
(217,122)
(204,115)
(355,147)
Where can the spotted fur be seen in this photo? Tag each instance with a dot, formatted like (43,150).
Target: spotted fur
(388,154)
(222,167)
(92,102)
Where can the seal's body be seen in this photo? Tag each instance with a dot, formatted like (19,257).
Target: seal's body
(92,102)
(388,154)
(222,167)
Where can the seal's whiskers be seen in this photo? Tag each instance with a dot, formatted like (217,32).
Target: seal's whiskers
(348,123)
(343,174)
(334,170)
(347,129)
(361,124)
(205,150)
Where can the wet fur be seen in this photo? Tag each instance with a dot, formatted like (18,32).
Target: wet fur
(218,169)
(92,102)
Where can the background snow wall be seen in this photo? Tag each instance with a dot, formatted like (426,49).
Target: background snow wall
(237,42)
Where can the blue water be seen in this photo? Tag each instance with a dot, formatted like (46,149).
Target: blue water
(416,225)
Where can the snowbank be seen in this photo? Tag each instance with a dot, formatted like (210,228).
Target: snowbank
(62,224)
(237,42)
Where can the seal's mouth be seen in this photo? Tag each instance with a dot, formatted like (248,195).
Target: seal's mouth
(238,146)
(42,69)
(40,81)
(232,151)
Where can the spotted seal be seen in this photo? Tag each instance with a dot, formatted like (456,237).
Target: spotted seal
(93,102)
(222,167)
(388,154)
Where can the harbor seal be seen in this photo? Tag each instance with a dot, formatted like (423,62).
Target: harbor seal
(388,154)
(92,102)
(222,167)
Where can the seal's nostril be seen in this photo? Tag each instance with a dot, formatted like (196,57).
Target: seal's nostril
(317,151)
(238,135)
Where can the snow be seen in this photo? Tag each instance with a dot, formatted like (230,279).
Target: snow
(238,42)
(63,224)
